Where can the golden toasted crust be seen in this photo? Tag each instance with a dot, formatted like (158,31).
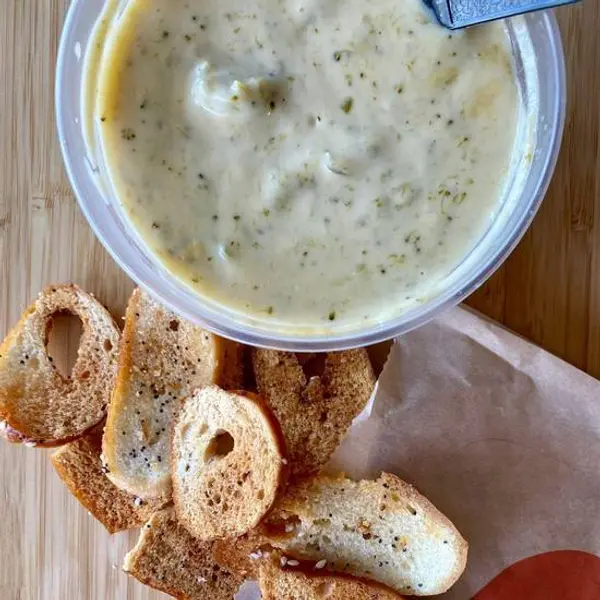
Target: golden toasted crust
(162,359)
(241,554)
(79,466)
(224,492)
(278,583)
(39,406)
(383,529)
(167,558)
(315,410)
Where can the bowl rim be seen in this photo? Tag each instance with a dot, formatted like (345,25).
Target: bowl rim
(373,333)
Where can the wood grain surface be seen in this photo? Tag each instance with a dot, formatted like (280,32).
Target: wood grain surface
(548,290)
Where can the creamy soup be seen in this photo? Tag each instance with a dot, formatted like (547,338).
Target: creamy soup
(317,163)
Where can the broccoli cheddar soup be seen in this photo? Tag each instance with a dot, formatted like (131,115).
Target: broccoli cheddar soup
(317,163)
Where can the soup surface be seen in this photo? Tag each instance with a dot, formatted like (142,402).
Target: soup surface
(316,163)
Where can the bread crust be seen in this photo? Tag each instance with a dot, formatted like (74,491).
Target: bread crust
(168,558)
(303,582)
(238,476)
(79,466)
(382,529)
(162,358)
(315,410)
(38,405)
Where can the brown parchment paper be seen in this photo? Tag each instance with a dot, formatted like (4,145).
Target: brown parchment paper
(500,435)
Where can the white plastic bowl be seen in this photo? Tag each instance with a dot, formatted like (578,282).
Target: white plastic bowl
(539,60)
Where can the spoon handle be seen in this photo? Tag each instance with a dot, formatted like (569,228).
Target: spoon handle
(456,14)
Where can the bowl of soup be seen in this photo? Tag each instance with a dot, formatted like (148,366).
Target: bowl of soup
(307,175)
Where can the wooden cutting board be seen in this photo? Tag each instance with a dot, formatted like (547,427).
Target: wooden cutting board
(549,291)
